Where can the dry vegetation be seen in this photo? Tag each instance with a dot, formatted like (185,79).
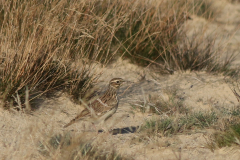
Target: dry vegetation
(55,45)
(234,1)
(175,118)
(41,39)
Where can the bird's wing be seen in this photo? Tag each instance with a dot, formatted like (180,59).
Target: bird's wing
(97,108)
(101,107)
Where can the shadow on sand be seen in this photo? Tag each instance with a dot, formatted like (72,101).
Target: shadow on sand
(125,130)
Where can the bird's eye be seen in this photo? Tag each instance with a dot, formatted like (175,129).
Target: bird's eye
(117,81)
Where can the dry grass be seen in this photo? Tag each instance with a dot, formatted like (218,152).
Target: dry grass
(204,8)
(234,1)
(37,40)
(198,53)
(41,39)
(77,147)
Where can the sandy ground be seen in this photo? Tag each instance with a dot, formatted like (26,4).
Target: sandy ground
(19,133)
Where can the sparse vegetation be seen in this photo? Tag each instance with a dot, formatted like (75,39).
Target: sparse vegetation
(167,105)
(181,124)
(225,138)
(69,147)
(175,117)
(225,122)
(230,130)
(171,121)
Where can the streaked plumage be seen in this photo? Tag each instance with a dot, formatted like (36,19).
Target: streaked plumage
(103,107)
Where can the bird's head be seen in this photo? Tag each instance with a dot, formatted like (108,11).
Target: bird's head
(116,82)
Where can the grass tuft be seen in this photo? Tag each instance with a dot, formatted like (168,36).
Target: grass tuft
(173,125)
(38,42)
(226,139)
(69,147)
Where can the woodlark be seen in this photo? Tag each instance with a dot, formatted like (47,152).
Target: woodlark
(103,107)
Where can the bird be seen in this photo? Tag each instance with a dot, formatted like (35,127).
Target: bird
(102,108)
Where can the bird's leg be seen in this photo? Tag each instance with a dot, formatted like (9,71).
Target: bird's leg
(94,126)
(105,128)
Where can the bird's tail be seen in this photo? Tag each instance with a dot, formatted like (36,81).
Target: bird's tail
(79,117)
(70,123)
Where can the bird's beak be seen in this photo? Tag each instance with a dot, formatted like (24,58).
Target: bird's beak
(128,81)
(123,81)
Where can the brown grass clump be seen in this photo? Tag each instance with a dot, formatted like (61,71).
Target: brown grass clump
(37,40)
(198,54)
(152,31)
